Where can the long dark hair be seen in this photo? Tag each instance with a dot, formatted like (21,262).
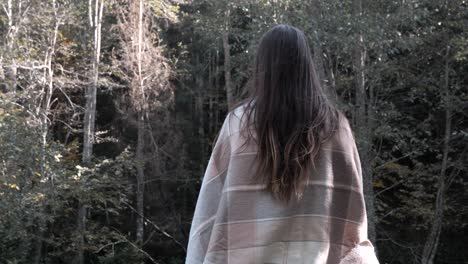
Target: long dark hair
(289,112)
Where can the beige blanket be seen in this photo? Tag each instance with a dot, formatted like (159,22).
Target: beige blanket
(237,222)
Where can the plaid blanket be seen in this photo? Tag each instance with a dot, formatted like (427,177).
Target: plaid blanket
(237,222)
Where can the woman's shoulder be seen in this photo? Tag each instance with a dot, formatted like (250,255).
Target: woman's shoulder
(240,109)
(345,126)
(240,115)
(343,137)
(232,122)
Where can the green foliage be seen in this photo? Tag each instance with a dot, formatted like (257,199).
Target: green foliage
(40,187)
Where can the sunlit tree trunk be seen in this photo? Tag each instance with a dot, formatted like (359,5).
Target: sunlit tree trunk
(11,68)
(141,130)
(95,21)
(147,73)
(90,109)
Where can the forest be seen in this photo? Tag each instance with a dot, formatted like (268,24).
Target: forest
(109,110)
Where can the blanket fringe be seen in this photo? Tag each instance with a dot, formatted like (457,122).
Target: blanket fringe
(362,253)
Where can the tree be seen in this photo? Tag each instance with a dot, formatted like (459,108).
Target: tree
(147,72)
(364,113)
(444,180)
(95,23)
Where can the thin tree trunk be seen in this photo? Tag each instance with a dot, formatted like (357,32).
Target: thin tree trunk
(211,81)
(45,110)
(362,122)
(11,69)
(217,88)
(318,62)
(199,114)
(201,129)
(432,241)
(81,227)
(90,110)
(90,114)
(315,10)
(331,74)
(145,69)
(141,130)
(227,64)
(140,164)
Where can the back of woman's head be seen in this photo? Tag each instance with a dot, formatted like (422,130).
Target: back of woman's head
(290,113)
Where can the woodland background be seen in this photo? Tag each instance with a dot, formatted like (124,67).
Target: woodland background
(109,109)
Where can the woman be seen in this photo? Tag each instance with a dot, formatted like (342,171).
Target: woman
(284,183)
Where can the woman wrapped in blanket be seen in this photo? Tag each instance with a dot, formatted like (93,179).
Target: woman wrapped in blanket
(284,181)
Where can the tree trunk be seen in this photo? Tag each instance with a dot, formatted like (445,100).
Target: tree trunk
(145,71)
(362,119)
(227,64)
(90,114)
(48,90)
(198,115)
(140,144)
(212,87)
(201,129)
(315,10)
(432,241)
(90,110)
(140,166)
(319,68)
(81,227)
(11,69)
(217,89)
(331,74)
